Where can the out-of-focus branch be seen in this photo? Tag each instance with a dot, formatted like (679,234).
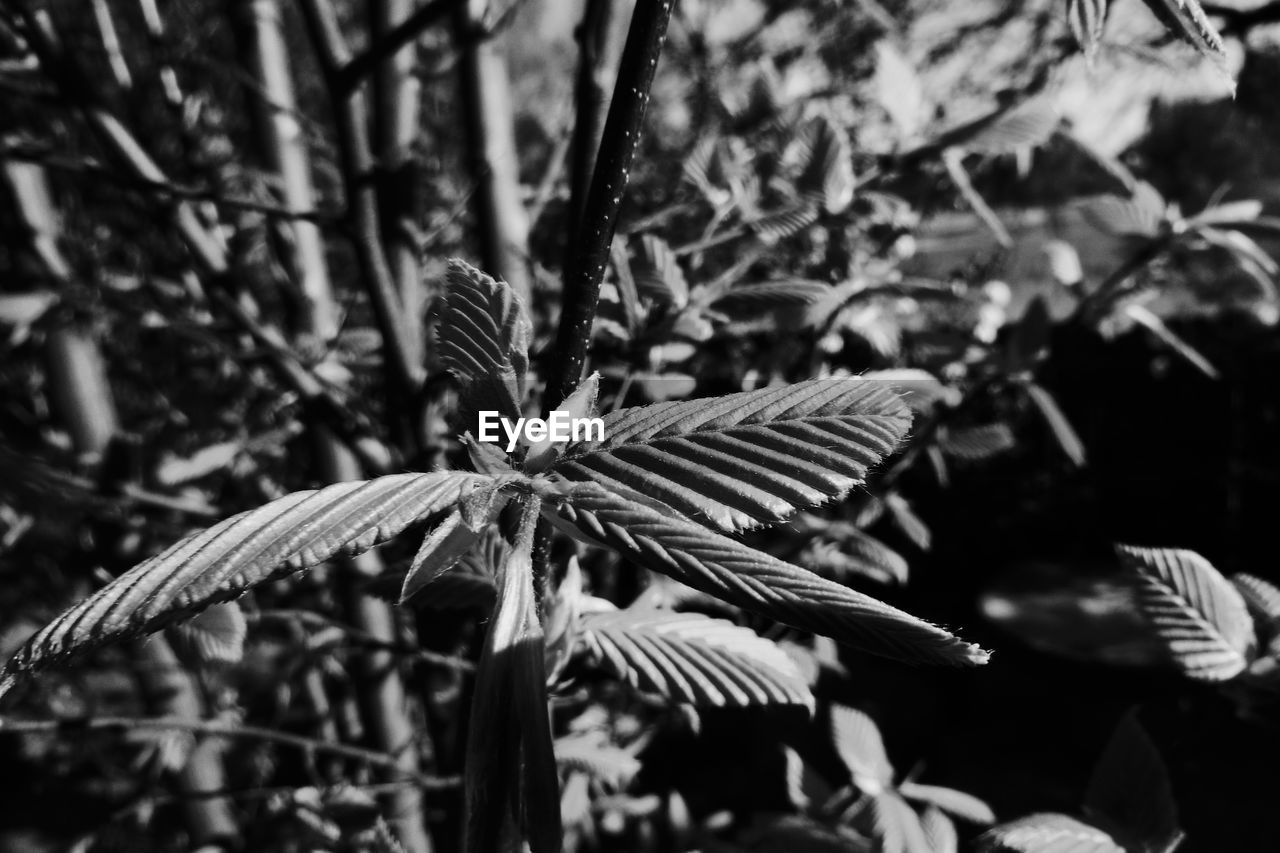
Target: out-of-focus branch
(501,218)
(396,93)
(214,729)
(356,162)
(380,689)
(618,145)
(392,40)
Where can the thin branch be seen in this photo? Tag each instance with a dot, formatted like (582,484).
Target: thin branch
(400,36)
(211,728)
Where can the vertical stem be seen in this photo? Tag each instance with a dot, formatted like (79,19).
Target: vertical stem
(593,48)
(356,163)
(618,146)
(486,101)
(396,92)
(379,687)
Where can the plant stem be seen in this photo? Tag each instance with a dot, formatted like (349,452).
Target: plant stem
(618,145)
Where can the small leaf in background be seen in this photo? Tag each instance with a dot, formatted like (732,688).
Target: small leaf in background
(1044,833)
(955,803)
(899,91)
(1194,611)
(828,171)
(939,831)
(688,657)
(1057,422)
(910,524)
(1088,18)
(215,635)
(977,443)
(657,273)
(1129,792)
(858,743)
(1142,214)
(175,470)
(1262,598)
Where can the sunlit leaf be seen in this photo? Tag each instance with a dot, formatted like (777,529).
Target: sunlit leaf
(292,533)
(745,459)
(858,743)
(1194,610)
(215,635)
(939,831)
(1088,18)
(689,657)
(957,803)
(1047,833)
(483,336)
(651,534)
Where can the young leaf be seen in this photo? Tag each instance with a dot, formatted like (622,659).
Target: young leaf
(483,336)
(1129,791)
(840,550)
(689,657)
(657,273)
(511,784)
(828,171)
(580,404)
(1195,611)
(1047,833)
(652,535)
(859,745)
(957,803)
(1088,18)
(746,459)
(290,534)
(977,443)
(443,547)
(1261,597)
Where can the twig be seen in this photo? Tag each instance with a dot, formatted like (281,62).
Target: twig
(391,41)
(211,728)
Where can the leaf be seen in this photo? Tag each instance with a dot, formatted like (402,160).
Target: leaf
(290,534)
(483,335)
(174,470)
(774,227)
(911,525)
(1261,597)
(215,635)
(1142,214)
(741,460)
(1024,124)
(841,551)
(1186,19)
(957,803)
(657,273)
(443,547)
(747,300)
(1129,791)
(1088,18)
(692,658)
(650,534)
(898,90)
(510,778)
(580,404)
(1057,422)
(894,824)
(1064,261)
(625,283)
(858,743)
(591,755)
(1141,315)
(1195,611)
(919,389)
(977,443)
(939,831)
(828,170)
(1047,833)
